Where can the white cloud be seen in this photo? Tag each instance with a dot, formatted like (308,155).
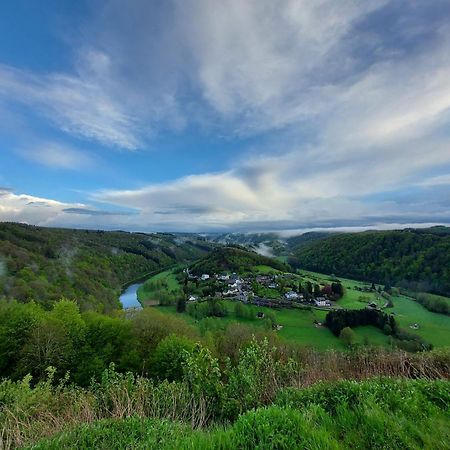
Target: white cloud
(78,105)
(48,212)
(263,61)
(57,155)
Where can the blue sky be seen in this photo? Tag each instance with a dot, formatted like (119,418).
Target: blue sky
(204,115)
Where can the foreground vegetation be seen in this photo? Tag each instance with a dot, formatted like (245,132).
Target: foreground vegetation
(260,402)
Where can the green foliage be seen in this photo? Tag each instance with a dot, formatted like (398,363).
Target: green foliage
(375,414)
(234,259)
(181,304)
(434,303)
(243,311)
(209,308)
(133,432)
(417,259)
(83,344)
(338,319)
(277,428)
(169,357)
(347,336)
(257,377)
(89,267)
(202,374)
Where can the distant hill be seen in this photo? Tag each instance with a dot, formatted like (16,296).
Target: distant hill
(243,239)
(45,264)
(233,259)
(295,242)
(417,259)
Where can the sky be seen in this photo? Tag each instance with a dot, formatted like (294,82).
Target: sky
(225,115)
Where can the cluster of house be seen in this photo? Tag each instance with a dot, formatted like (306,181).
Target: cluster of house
(239,288)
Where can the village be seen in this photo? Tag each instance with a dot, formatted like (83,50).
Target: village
(270,290)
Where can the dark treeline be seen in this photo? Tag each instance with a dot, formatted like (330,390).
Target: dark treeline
(415,259)
(234,259)
(341,319)
(338,319)
(45,264)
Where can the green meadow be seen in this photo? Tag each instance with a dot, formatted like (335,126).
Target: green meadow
(298,325)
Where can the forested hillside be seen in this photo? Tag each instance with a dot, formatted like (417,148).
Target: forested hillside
(234,259)
(417,259)
(45,264)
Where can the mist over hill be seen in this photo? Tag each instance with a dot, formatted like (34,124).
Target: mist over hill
(45,264)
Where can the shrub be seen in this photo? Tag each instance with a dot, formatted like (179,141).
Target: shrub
(169,357)
(277,428)
(347,336)
(259,374)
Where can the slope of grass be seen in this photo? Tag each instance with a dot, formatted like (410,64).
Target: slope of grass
(298,324)
(162,283)
(375,414)
(433,327)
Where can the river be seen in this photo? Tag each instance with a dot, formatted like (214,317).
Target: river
(128,298)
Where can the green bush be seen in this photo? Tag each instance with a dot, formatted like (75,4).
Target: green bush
(169,357)
(277,428)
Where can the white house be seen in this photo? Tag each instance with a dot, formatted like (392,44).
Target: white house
(192,298)
(204,277)
(223,277)
(230,292)
(321,301)
(291,295)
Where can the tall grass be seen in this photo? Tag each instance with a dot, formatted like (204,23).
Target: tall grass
(206,397)
(375,414)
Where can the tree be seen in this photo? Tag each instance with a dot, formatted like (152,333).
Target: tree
(169,357)
(316,290)
(347,336)
(181,304)
(338,289)
(327,290)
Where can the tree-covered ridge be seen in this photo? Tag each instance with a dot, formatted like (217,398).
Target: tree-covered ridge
(414,259)
(234,259)
(45,264)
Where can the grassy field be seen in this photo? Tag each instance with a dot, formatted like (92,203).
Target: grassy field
(298,324)
(263,270)
(433,327)
(146,293)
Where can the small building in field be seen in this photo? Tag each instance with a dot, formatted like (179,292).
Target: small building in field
(260,315)
(291,295)
(223,277)
(322,301)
